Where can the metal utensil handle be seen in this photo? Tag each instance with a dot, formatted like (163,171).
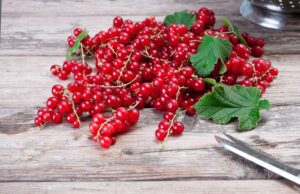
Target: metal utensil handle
(263,156)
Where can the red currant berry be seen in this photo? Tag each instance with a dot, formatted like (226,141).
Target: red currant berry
(108,129)
(38,121)
(76,124)
(55,69)
(191,110)
(118,125)
(67,66)
(118,22)
(172,105)
(160,134)
(57,118)
(71,41)
(260,42)
(93,128)
(229,79)
(52,102)
(105,141)
(98,118)
(134,115)
(77,31)
(164,125)
(172,89)
(64,107)
(71,118)
(122,113)
(247,70)
(177,128)
(168,116)
(47,117)
(274,71)
(257,51)
(57,90)
(198,85)
(145,90)
(246,83)
(268,78)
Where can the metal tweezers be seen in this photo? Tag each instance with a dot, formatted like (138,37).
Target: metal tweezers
(260,158)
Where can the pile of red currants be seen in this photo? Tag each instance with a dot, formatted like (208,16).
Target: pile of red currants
(145,64)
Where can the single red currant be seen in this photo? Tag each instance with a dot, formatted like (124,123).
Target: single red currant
(160,134)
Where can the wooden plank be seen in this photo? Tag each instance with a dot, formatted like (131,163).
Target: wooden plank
(32,40)
(59,153)
(175,187)
(279,119)
(113,8)
(25,76)
(40,36)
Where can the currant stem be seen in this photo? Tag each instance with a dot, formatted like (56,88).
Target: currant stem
(88,50)
(124,67)
(176,115)
(102,125)
(73,105)
(134,105)
(82,53)
(114,86)
(111,48)
(146,54)
(159,33)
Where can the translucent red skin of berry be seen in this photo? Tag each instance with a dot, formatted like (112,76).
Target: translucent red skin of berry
(146,64)
(133,116)
(160,134)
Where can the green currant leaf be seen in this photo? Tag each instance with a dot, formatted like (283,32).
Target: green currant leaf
(181,17)
(209,52)
(76,45)
(223,68)
(264,104)
(227,102)
(210,81)
(234,30)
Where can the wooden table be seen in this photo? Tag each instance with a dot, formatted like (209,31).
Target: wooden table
(58,159)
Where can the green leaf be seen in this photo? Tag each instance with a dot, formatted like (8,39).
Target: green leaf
(227,102)
(234,30)
(264,104)
(181,17)
(223,68)
(210,81)
(76,45)
(209,52)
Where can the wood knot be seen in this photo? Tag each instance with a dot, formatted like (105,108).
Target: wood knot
(16,123)
(127,152)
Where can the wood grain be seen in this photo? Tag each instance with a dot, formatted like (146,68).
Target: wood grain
(58,153)
(190,187)
(29,37)
(112,8)
(30,30)
(58,159)
(28,75)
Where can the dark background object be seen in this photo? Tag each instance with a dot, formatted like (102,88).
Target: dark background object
(275,14)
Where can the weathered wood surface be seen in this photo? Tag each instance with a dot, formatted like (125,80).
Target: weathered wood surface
(41,27)
(190,187)
(62,154)
(30,77)
(50,160)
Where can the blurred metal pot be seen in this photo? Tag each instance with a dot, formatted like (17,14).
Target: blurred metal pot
(276,14)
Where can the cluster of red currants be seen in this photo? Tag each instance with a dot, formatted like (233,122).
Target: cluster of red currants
(256,72)
(145,64)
